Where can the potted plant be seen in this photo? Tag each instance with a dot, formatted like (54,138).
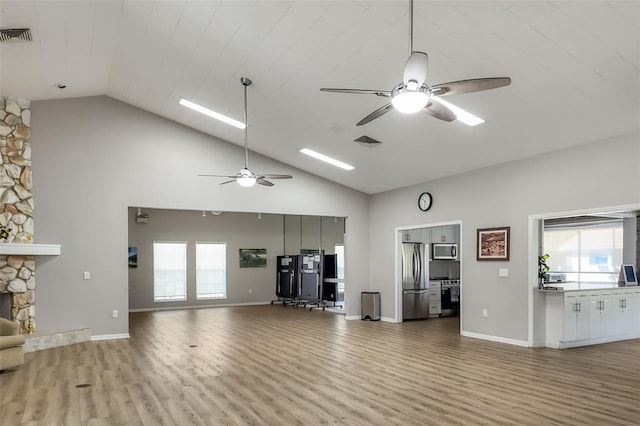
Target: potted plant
(543,268)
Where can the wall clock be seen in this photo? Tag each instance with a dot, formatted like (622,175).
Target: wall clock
(425,200)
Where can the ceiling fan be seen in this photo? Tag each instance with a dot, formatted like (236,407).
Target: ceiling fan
(413,94)
(245,177)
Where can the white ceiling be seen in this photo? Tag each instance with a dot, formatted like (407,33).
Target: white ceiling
(575,68)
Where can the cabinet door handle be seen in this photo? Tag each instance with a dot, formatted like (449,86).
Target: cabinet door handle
(576,307)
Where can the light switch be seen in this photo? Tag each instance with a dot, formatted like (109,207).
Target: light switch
(87,275)
(503,272)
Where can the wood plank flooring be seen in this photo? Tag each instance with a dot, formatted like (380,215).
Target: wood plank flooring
(274,365)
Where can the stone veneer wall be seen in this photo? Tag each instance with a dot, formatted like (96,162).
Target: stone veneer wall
(17,273)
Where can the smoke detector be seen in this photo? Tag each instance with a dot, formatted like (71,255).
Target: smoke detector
(15,34)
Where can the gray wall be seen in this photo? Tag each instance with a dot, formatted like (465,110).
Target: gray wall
(94,157)
(590,176)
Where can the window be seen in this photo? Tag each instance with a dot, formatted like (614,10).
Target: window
(169,271)
(211,271)
(585,253)
(339,250)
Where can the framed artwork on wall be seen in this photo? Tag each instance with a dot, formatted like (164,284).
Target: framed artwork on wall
(133,257)
(253,258)
(493,243)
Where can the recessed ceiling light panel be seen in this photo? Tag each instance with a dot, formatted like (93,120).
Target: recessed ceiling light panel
(210,113)
(327,159)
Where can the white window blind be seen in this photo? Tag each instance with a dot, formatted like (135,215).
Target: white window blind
(169,271)
(585,253)
(211,270)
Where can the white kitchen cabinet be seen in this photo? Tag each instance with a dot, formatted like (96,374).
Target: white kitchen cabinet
(625,306)
(576,316)
(587,317)
(600,314)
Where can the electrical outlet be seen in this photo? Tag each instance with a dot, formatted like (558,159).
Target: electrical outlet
(485,313)
(87,275)
(503,272)
(250,290)
(114,314)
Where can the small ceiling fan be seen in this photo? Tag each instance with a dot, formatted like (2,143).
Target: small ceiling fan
(245,177)
(413,94)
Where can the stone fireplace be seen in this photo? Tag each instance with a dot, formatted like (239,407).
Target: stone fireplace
(17,271)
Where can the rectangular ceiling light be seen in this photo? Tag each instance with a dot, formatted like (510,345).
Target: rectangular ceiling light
(462,115)
(326,159)
(210,113)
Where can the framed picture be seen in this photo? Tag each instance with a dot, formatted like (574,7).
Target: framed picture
(493,244)
(253,258)
(133,257)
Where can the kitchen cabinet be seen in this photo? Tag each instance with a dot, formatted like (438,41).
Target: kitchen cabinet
(625,305)
(600,314)
(435,296)
(412,236)
(587,317)
(576,316)
(445,234)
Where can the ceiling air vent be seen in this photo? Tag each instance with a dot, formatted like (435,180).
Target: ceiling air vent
(15,34)
(367,141)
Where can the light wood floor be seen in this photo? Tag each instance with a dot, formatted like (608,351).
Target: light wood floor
(274,365)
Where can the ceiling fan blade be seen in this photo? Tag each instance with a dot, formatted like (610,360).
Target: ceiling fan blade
(383,93)
(437,110)
(375,114)
(469,86)
(226,182)
(416,68)
(264,182)
(274,176)
(222,176)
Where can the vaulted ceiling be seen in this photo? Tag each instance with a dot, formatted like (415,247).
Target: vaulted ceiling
(575,69)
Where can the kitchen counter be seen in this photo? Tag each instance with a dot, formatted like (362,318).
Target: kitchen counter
(577,286)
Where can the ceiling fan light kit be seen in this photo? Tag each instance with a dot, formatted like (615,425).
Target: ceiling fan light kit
(409,101)
(245,177)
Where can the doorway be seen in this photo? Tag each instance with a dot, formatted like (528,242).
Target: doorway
(442,285)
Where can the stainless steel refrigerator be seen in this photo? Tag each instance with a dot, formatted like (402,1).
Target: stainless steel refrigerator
(415,285)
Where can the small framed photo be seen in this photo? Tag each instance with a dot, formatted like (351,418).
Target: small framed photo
(493,244)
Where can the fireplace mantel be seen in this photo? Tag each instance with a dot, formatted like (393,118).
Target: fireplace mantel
(30,249)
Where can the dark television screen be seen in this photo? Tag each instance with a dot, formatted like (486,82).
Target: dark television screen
(629,274)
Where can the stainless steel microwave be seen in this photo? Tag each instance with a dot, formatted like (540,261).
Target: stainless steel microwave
(445,251)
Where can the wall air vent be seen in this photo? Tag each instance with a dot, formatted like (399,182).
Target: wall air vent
(15,34)
(367,141)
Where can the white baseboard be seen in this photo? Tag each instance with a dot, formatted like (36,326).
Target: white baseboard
(387,319)
(498,339)
(594,341)
(110,336)
(177,308)
(352,317)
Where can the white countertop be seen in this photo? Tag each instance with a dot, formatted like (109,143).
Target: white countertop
(577,286)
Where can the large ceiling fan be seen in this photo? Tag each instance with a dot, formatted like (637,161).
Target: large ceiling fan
(245,177)
(413,94)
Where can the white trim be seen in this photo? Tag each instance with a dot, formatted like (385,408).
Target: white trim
(110,336)
(387,319)
(177,308)
(498,339)
(594,341)
(352,317)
